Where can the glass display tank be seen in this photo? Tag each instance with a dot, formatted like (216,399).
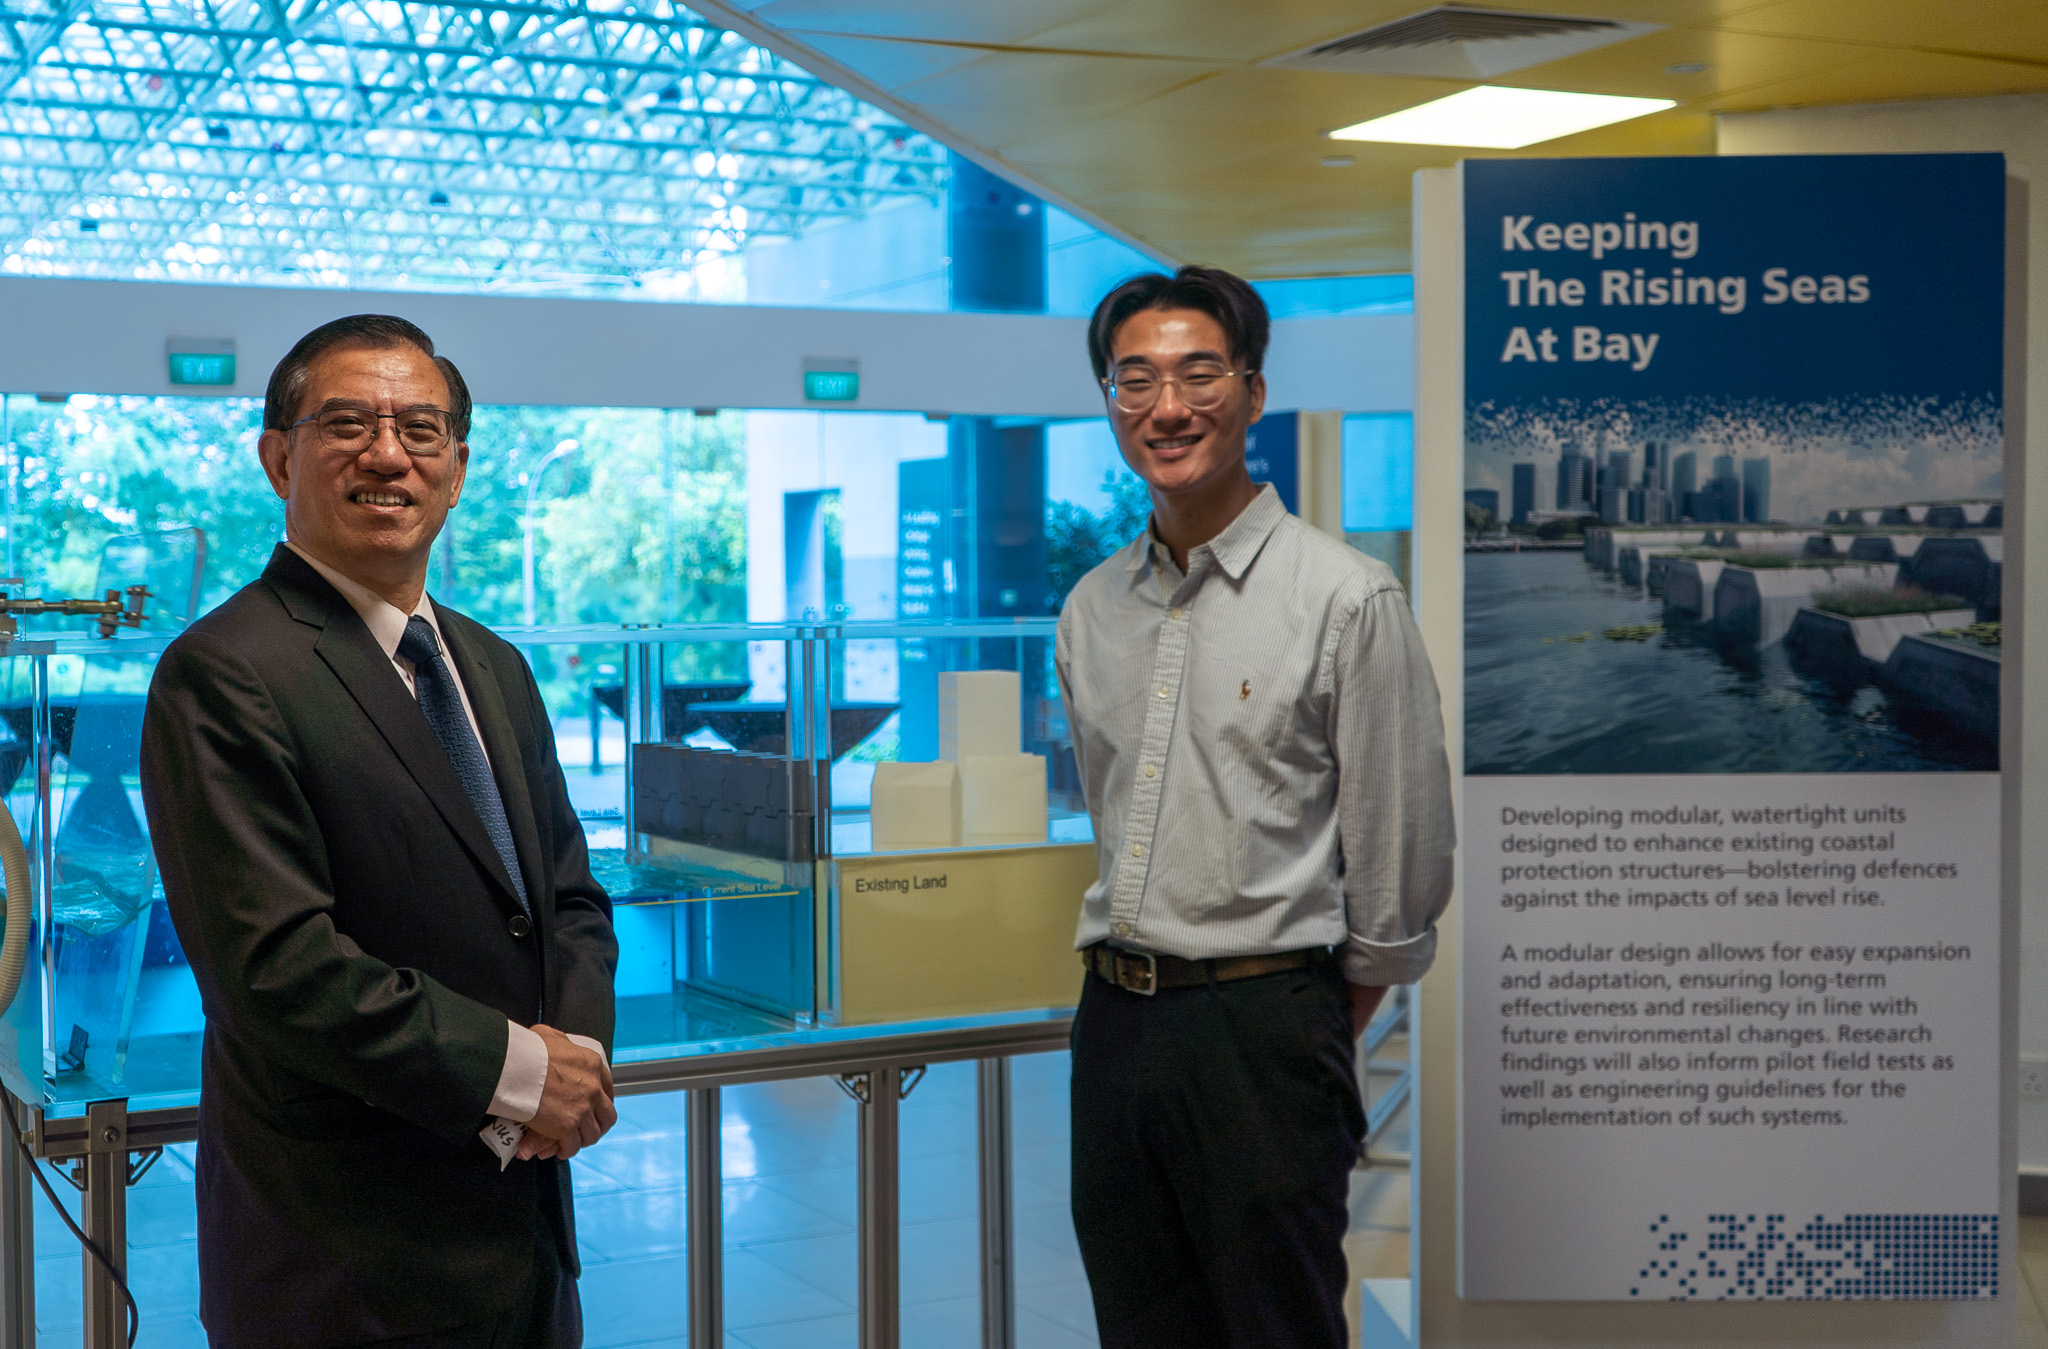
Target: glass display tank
(806,832)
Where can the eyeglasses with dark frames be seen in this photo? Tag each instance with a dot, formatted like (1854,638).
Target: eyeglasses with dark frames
(350,429)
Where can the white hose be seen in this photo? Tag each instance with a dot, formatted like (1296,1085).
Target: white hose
(20,898)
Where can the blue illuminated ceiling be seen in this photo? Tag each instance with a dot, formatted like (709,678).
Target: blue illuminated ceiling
(573,148)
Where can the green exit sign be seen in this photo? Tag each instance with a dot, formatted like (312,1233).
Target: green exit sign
(831,381)
(194,368)
(201,361)
(831,386)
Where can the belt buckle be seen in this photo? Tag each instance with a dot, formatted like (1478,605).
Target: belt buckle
(1133,977)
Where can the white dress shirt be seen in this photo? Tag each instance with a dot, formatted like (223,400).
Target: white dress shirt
(525,1073)
(1262,751)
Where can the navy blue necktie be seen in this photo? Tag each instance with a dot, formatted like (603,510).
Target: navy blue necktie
(442,703)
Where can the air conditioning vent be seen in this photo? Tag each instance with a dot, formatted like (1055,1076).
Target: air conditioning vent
(1457,42)
(1435,27)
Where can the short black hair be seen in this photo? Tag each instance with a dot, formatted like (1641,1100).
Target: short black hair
(1228,299)
(382,331)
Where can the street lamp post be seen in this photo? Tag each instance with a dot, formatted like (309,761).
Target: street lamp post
(567,447)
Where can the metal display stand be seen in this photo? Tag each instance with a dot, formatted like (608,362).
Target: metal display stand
(17,1239)
(703,1136)
(1383,1105)
(110,1149)
(998,1268)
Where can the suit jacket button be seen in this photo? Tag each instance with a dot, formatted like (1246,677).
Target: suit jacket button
(519,926)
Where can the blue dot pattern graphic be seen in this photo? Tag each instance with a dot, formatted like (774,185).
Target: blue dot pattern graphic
(1860,1256)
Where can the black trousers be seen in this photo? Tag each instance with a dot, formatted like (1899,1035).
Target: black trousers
(548,1313)
(1214,1133)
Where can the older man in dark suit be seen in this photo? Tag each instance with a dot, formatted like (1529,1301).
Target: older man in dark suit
(372,862)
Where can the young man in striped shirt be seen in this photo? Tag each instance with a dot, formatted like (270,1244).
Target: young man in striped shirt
(1262,751)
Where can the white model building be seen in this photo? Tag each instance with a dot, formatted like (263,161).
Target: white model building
(916,805)
(982,791)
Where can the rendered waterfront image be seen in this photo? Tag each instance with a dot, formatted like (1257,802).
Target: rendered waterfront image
(1641,604)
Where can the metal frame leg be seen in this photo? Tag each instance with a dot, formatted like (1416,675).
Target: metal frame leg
(17,1239)
(877,1093)
(998,1271)
(102,1178)
(703,1123)
(880,1286)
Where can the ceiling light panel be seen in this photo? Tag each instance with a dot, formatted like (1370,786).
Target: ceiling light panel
(1496,118)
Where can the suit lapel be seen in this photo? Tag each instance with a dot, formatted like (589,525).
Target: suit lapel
(348,649)
(473,666)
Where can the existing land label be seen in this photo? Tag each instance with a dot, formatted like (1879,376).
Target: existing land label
(1703,996)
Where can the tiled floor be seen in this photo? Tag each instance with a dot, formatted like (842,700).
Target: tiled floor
(789,1226)
(789,1206)
(790,1260)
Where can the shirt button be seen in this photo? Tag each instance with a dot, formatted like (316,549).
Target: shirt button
(1151,770)
(519,927)
(1137,850)
(1162,690)
(1123,929)
(1177,613)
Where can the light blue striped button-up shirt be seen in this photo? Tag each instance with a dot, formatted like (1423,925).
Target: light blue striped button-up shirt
(1262,750)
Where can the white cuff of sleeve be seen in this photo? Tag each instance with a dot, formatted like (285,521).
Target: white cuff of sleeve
(523,1077)
(589,1044)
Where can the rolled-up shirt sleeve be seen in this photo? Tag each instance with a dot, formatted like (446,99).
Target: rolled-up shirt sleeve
(1394,817)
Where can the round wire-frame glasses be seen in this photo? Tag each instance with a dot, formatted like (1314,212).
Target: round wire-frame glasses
(1202,388)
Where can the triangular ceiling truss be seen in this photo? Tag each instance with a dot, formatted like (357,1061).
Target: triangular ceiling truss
(572,148)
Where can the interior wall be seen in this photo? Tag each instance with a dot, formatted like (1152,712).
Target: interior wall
(2016,127)
(64,336)
(67,336)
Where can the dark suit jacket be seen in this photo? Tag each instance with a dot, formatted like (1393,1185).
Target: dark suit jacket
(349,925)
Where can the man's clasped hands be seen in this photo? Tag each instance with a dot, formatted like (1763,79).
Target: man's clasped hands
(575,1104)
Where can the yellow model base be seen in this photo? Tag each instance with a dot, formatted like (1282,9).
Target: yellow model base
(960,933)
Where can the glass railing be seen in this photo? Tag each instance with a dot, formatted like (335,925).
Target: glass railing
(805,831)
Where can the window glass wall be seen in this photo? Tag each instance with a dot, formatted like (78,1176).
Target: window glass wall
(81,471)
(608,515)
(1379,487)
(600,515)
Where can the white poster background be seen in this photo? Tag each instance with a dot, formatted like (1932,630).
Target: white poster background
(1613,1211)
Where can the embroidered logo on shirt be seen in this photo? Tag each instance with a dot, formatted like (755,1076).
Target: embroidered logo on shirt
(1245,692)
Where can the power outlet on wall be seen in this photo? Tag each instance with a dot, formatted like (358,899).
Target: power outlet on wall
(2033,1078)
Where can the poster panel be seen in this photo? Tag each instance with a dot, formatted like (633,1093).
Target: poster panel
(1731,966)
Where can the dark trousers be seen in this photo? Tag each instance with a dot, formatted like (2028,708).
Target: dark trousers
(548,1314)
(1214,1133)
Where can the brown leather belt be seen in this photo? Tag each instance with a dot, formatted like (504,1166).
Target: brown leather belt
(1147,973)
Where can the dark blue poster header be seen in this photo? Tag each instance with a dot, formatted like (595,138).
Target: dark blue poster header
(1751,276)
(1272,454)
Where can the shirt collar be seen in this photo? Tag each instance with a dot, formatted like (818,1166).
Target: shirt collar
(1236,546)
(385,620)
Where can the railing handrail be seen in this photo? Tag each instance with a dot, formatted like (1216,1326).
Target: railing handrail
(66,1136)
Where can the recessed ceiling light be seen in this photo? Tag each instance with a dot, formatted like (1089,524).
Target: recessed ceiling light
(1338,161)
(1498,118)
(1688,68)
